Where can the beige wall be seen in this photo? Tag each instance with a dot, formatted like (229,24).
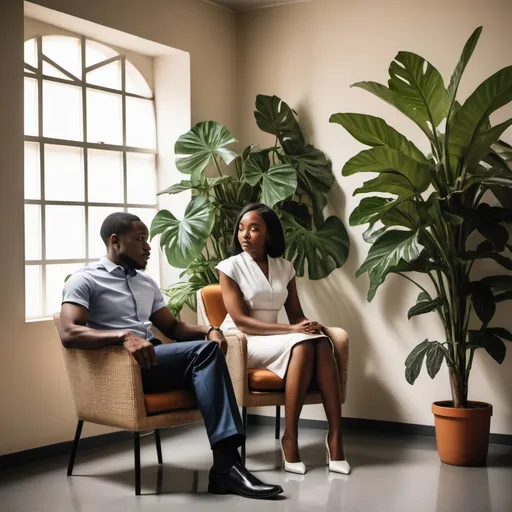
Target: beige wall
(309,54)
(35,403)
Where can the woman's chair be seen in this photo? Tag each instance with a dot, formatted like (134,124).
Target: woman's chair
(255,387)
(106,387)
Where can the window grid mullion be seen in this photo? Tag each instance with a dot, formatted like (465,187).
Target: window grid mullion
(85,153)
(123,116)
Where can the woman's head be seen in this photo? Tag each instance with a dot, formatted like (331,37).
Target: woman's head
(257,231)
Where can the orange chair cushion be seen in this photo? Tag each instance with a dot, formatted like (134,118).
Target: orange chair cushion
(213,304)
(264,380)
(169,401)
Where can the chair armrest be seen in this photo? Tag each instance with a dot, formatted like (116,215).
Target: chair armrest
(236,358)
(339,338)
(106,386)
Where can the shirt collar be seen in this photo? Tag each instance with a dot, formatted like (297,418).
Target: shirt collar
(112,267)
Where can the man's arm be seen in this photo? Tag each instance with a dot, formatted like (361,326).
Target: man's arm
(164,321)
(75,334)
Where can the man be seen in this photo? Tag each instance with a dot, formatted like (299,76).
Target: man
(112,303)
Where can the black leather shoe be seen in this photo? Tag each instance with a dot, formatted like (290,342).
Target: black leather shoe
(238,480)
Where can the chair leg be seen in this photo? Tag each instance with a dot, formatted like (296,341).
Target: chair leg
(136,449)
(74,447)
(244,421)
(158,446)
(278,421)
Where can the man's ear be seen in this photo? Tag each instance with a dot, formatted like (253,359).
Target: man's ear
(114,241)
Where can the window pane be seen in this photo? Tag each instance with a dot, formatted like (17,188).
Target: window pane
(106,76)
(146,215)
(50,70)
(97,214)
(65,232)
(33,292)
(32,232)
(135,82)
(55,279)
(105,176)
(97,52)
(32,171)
(30,49)
(140,123)
(65,51)
(31,111)
(64,173)
(62,113)
(104,117)
(141,176)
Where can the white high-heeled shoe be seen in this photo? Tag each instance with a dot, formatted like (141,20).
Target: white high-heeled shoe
(298,468)
(336,466)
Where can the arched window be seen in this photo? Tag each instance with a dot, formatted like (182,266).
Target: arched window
(90,148)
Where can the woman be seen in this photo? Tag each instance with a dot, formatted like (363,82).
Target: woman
(256,283)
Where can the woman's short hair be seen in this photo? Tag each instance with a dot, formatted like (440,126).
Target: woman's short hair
(276,243)
(117,223)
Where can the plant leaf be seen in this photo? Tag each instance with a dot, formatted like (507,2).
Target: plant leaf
(500,332)
(420,86)
(177,187)
(414,361)
(182,241)
(424,305)
(435,358)
(180,294)
(483,301)
(324,250)
(374,131)
(493,345)
(501,287)
(386,160)
(201,145)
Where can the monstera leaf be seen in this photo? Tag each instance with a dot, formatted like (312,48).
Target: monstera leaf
(278,182)
(202,145)
(182,241)
(324,250)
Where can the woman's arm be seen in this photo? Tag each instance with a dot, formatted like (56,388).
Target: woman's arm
(294,309)
(235,305)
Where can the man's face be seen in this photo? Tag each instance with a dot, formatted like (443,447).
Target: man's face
(134,250)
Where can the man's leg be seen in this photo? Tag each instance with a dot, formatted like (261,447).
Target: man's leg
(202,365)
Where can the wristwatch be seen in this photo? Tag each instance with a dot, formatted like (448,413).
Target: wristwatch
(210,329)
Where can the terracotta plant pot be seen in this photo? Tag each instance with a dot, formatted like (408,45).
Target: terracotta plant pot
(462,434)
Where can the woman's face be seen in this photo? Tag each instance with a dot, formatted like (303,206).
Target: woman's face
(252,233)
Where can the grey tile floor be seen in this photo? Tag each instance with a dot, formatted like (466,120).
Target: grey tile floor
(390,473)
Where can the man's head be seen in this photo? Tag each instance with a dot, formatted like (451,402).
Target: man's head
(126,238)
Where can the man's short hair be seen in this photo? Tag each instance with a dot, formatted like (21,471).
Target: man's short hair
(117,223)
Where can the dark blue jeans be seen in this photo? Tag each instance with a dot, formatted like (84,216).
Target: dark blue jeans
(199,366)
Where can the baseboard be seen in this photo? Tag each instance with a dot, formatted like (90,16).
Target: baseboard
(45,452)
(377,426)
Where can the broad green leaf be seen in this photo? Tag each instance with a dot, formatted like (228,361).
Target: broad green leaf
(201,145)
(405,214)
(496,234)
(180,294)
(435,358)
(274,116)
(424,306)
(493,345)
(389,249)
(503,195)
(371,234)
(414,361)
(277,182)
(388,182)
(177,187)
(324,250)
(368,208)
(420,86)
(469,47)
(500,332)
(394,99)
(182,241)
(483,301)
(501,287)
(374,131)
(467,123)
(386,160)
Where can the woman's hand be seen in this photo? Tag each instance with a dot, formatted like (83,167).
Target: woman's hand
(307,327)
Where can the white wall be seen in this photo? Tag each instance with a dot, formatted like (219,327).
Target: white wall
(309,54)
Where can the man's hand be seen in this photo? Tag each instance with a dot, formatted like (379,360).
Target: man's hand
(218,337)
(142,350)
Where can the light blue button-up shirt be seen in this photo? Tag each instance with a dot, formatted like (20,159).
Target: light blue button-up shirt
(114,299)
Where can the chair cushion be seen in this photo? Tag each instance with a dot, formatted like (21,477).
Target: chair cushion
(213,304)
(264,380)
(169,401)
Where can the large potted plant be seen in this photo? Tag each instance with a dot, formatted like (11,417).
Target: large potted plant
(438,215)
(291,176)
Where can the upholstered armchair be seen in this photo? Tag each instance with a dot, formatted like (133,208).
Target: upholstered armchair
(106,387)
(255,387)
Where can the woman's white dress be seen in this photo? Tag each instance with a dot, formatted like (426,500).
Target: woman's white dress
(264,299)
